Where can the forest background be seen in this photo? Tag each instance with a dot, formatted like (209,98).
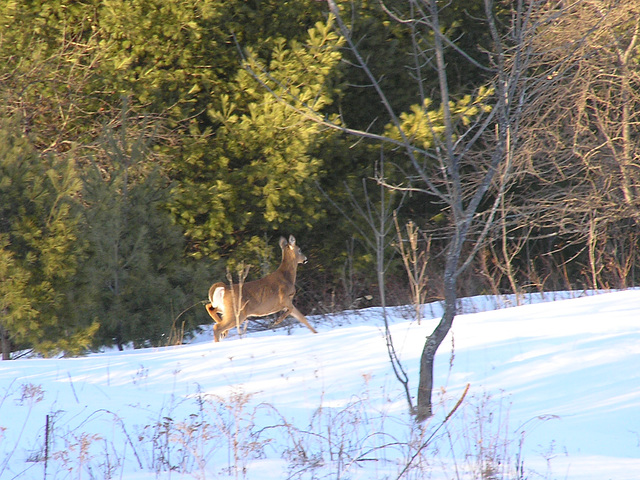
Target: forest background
(143,157)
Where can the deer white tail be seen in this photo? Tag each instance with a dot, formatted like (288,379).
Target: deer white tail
(217,299)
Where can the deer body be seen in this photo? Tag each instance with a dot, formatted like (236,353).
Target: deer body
(271,294)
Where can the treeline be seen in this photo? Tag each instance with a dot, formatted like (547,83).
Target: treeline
(149,145)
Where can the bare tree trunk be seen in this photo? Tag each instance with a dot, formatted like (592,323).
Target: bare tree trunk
(433,342)
(5,344)
(238,303)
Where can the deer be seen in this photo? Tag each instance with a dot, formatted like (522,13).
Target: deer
(271,294)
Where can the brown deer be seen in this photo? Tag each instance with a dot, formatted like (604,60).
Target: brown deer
(271,294)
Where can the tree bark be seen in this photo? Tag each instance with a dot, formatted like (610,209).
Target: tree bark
(424,408)
(5,344)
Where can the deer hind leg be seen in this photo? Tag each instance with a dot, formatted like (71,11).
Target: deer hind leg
(221,329)
(215,308)
(282,316)
(213,313)
(218,332)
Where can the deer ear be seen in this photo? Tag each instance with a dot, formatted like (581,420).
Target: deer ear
(283,242)
(292,240)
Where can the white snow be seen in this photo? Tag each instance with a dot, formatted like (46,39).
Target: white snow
(554,386)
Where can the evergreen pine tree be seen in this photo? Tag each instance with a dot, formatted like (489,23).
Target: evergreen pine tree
(38,249)
(134,276)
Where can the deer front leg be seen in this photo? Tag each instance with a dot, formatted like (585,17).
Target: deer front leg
(301,318)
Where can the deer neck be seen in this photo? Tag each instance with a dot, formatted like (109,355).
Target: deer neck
(288,269)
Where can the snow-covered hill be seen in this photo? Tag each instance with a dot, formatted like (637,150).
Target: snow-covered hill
(554,393)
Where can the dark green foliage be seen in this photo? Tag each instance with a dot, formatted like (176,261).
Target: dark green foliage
(136,279)
(40,248)
(258,174)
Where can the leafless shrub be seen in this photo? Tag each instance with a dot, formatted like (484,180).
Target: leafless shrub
(415,257)
(204,435)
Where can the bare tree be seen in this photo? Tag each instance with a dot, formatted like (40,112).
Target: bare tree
(238,305)
(580,149)
(459,150)
(469,148)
